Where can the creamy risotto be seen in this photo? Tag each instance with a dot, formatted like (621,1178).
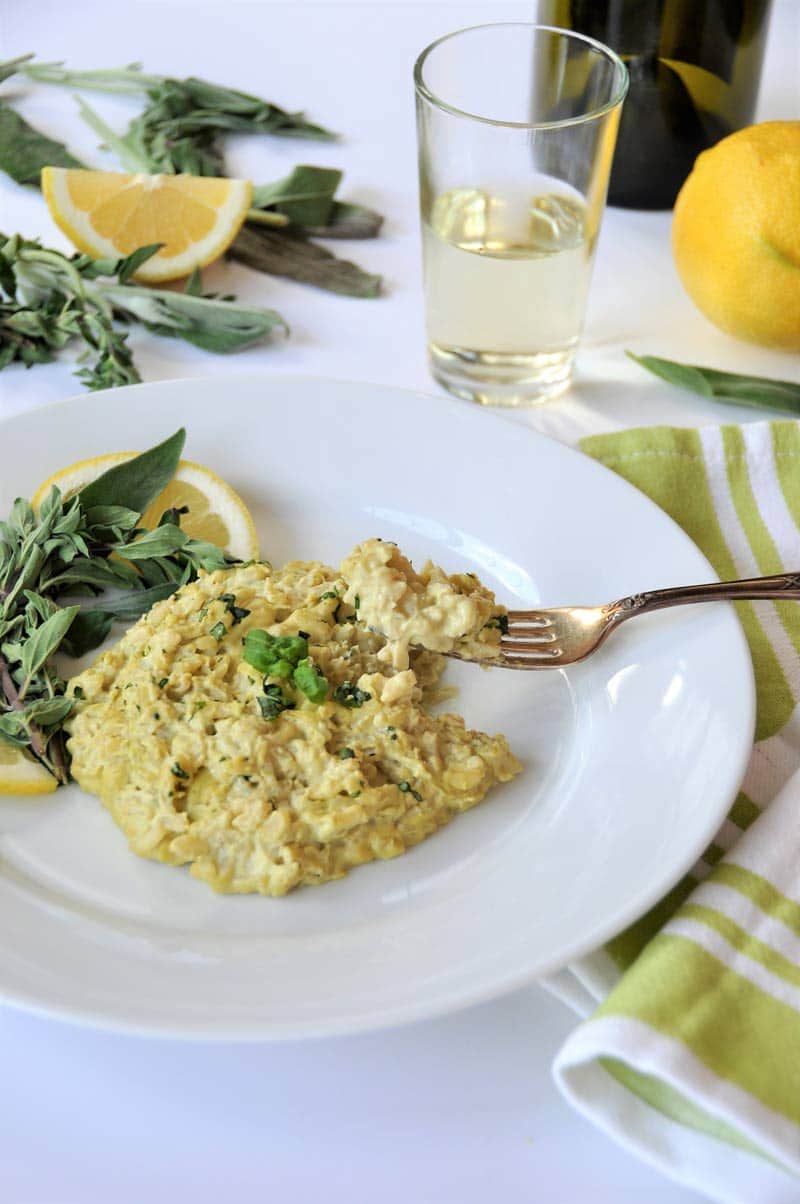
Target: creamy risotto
(255,728)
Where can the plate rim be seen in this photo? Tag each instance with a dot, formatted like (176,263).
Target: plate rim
(398,1015)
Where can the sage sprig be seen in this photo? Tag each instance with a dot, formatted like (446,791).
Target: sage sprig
(48,300)
(179,128)
(760,392)
(79,548)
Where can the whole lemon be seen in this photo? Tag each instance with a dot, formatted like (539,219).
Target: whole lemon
(736,234)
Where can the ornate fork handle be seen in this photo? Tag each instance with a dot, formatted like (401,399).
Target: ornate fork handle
(781,585)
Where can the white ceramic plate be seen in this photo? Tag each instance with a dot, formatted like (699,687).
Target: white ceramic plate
(631,759)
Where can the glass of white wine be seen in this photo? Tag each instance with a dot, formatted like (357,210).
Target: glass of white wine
(516,127)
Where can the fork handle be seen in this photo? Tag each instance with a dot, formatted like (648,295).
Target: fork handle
(781,585)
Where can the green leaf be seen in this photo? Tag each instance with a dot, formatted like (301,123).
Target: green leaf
(89,629)
(162,541)
(305,196)
(46,712)
(130,607)
(24,151)
(348,221)
(194,283)
(135,483)
(111,516)
(46,639)
(214,325)
(285,253)
(760,392)
(126,268)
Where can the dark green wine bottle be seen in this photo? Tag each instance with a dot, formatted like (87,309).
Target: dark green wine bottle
(694,72)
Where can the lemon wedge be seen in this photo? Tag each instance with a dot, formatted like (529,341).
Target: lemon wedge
(20,774)
(111,214)
(216,512)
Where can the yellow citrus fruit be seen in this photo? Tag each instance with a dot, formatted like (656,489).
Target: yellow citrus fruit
(216,512)
(736,234)
(110,214)
(20,774)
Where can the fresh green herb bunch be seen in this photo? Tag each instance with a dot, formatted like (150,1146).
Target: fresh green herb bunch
(49,559)
(179,128)
(48,300)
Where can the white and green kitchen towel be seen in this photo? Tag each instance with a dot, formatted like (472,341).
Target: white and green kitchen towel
(689,1053)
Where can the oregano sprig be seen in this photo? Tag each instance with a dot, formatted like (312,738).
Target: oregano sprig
(79,548)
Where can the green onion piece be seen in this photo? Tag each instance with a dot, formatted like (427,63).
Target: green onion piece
(219,631)
(262,650)
(345,754)
(282,669)
(308,678)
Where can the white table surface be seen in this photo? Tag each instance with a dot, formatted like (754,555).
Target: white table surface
(453,1109)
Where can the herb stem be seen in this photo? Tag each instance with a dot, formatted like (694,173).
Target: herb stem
(14,698)
(266,217)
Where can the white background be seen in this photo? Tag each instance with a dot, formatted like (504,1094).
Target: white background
(456,1109)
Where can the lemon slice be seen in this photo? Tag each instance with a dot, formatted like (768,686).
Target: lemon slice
(216,512)
(111,214)
(20,774)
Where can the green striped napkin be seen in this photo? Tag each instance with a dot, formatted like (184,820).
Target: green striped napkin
(692,1059)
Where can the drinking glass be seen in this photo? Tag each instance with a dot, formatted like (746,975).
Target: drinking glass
(516,128)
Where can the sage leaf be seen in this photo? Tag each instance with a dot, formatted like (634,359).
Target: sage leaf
(130,607)
(215,325)
(46,639)
(162,541)
(289,254)
(305,196)
(24,151)
(48,711)
(760,392)
(348,221)
(135,483)
(88,631)
(13,729)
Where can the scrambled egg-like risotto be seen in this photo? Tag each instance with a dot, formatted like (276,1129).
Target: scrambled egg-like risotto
(252,727)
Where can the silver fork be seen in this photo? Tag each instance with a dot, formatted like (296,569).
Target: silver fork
(550,639)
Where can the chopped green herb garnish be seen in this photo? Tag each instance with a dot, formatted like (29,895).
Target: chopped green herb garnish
(407,788)
(198,705)
(282,669)
(303,635)
(310,681)
(357,602)
(179,771)
(329,593)
(500,622)
(237,612)
(201,614)
(163,682)
(350,696)
(345,754)
(78,692)
(263,651)
(273,701)
(219,631)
